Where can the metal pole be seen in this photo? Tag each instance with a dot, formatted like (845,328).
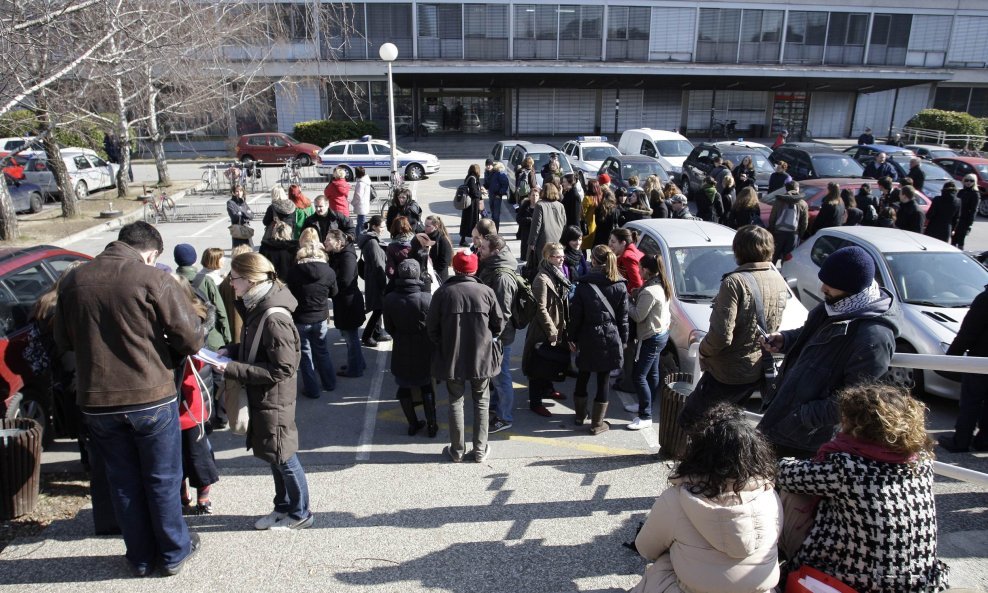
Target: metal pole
(617,107)
(391,124)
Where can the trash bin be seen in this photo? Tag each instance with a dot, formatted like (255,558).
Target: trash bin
(20,466)
(675,390)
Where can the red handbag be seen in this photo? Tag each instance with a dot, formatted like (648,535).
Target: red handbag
(805,572)
(195,404)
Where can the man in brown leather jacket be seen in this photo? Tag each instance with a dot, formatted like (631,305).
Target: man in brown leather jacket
(130,325)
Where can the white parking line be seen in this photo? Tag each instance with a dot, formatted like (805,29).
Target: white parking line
(366,442)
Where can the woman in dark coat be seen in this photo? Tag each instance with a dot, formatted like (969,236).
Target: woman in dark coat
(279,248)
(240,213)
(909,217)
(471,214)
(348,304)
(551,291)
(266,305)
(944,213)
(375,281)
(607,217)
(398,250)
(441,252)
(599,336)
(403,205)
(832,210)
(313,283)
(405,311)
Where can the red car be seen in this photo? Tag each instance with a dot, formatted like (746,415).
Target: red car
(26,273)
(959,166)
(813,191)
(275,147)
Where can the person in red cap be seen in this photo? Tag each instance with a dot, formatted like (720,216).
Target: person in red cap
(604,179)
(464,320)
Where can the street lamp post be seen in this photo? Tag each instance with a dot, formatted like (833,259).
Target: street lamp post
(389,53)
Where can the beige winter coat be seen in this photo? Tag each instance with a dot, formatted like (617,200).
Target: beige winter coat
(721,545)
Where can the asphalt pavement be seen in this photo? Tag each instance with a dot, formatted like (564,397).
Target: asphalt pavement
(547,511)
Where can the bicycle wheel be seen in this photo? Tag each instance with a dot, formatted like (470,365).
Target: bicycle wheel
(285,180)
(168,209)
(150,214)
(207,181)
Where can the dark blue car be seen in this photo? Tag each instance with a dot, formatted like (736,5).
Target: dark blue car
(26,196)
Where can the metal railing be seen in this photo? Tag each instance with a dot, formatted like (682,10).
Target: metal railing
(972,142)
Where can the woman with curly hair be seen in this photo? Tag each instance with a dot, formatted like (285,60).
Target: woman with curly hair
(875,524)
(717,526)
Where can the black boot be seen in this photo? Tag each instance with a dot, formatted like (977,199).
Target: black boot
(429,407)
(408,407)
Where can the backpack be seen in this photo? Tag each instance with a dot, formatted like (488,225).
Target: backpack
(278,230)
(523,305)
(787,220)
(524,188)
(461,201)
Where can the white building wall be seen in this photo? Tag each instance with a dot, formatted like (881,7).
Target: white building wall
(630,114)
(297,103)
(662,110)
(967,42)
(874,110)
(829,114)
(672,33)
(555,111)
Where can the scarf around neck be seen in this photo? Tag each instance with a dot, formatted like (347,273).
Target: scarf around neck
(257,292)
(556,274)
(845,443)
(855,302)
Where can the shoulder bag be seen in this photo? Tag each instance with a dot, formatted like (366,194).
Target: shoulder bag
(235,393)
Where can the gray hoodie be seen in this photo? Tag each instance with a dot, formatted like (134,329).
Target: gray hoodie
(493,272)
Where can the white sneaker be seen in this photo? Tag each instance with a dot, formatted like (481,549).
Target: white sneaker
(616,373)
(268,521)
(632,407)
(287,522)
(640,423)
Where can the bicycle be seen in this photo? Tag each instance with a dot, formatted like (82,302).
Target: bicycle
(724,129)
(158,207)
(211,179)
(291,174)
(234,176)
(251,173)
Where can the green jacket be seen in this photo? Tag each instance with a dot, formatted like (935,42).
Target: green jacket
(219,336)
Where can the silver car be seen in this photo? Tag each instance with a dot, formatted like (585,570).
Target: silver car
(696,254)
(87,171)
(933,282)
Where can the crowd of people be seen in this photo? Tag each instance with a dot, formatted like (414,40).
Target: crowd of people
(592,306)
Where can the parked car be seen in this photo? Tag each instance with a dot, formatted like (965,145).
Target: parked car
(812,160)
(697,165)
(502,152)
(931,151)
(758,147)
(87,171)
(275,147)
(936,175)
(405,126)
(959,166)
(814,190)
(26,146)
(657,143)
(375,157)
(871,150)
(540,154)
(621,168)
(25,383)
(27,197)
(696,254)
(933,282)
(587,153)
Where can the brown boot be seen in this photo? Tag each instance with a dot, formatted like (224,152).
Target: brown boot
(580,403)
(597,424)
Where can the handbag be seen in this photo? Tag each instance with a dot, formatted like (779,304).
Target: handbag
(235,393)
(553,360)
(241,231)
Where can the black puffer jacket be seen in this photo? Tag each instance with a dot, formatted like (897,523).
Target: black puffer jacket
(405,310)
(312,283)
(599,337)
(375,280)
(943,215)
(280,253)
(348,304)
(332,221)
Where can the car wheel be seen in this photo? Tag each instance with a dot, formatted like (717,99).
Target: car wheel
(35,410)
(81,190)
(246,158)
(983,206)
(911,379)
(303,160)
(684,186)
(414,172)
(36,203)
(349,174)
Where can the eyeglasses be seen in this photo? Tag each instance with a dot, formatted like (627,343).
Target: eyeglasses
(968,181)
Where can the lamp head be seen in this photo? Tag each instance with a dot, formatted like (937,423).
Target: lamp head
(388,52)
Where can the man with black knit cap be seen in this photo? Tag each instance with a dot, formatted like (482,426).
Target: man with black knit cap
(848,339)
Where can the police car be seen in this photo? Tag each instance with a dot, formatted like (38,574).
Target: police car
(375,157)
(588,153)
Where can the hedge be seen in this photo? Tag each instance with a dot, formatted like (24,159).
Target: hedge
(951,122)
(83,134)
(323,131)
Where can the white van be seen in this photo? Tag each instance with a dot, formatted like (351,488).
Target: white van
(657,143)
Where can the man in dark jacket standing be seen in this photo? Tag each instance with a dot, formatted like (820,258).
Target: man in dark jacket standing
(879,168)
(324,220)
(970,197)
(944,213)
(847,340)
(572,202)
(128,338)
(910,217)
(972,339)
(464,322)
(916,173)
(497,270)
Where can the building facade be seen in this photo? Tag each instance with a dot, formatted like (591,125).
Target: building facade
(516,68)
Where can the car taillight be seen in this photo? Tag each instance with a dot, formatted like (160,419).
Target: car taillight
(787,257)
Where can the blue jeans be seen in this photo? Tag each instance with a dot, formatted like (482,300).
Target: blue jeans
(646,373)
(141,453)
(361,218)
(496,212)
(502,389)
(354,355)
(291,489)
(316,367)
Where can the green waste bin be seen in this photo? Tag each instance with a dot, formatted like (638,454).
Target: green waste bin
(672,438)
(20,466)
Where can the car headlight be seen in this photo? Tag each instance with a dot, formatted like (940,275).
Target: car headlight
(315,152)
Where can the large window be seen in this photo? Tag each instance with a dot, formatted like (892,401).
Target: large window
(347,100)
(440,31)
(290,22)
(390,23)
(761,36)
(485,27)
(627,32)
(846,38)
(889,39)
(806,33)
(580,32)
(719,29)
(345,35)
(535,31)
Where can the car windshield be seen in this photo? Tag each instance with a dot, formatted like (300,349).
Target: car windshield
(674,147)
(936,154)
(599,153)
(949,279)
(982,171)
(697,271)
(761,163)
(934,172)
(836,165)
(642,170)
